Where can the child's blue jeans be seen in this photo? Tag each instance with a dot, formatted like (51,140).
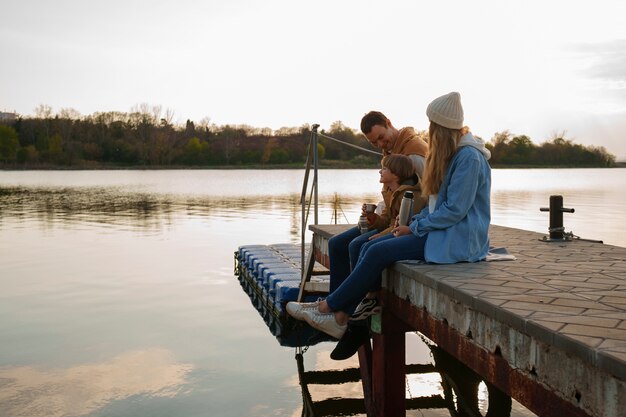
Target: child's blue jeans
(376,255)
(343,251)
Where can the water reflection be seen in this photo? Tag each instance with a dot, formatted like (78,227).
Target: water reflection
(462,389)
(100,262)
(324,384)
(458,391)
(149,200)
(116,206)
(107,206)
(80,390)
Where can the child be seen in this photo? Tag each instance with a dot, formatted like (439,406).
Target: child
(397,176)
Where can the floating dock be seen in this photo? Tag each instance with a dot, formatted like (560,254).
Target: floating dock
(271,276)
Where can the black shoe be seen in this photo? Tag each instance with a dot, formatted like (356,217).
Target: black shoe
(367,307)
(350,342)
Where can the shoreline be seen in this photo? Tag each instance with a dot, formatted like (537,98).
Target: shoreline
(331,165)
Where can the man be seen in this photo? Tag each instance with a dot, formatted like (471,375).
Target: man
(379,131)
(377,128)
(344,248)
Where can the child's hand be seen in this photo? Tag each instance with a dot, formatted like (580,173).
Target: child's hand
(371,218)
(401,231)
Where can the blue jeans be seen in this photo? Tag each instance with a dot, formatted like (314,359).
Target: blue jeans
(343,251)
(376,255)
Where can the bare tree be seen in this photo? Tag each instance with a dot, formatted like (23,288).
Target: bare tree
(69,113)
(156,112)
(43,111)
(167,117)
(204,122)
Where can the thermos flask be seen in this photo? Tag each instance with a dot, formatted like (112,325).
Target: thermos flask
(406,208)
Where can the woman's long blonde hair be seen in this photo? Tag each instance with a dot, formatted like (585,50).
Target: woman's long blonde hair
(442,144)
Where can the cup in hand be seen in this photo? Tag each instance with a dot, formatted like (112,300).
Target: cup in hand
(369,208)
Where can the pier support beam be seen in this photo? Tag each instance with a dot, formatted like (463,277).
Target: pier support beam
(389,368)
(489,365)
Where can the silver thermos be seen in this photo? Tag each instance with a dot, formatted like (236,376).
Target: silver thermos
(406,208)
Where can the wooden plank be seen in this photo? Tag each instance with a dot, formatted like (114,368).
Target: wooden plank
(319,269)
(317,286)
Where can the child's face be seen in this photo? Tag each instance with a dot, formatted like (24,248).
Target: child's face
(387,177)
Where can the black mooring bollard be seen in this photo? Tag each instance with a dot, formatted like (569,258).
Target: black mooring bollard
(557,231)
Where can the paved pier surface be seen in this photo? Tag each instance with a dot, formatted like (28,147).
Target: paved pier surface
(548,328)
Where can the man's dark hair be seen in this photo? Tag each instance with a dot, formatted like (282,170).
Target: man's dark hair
(372,119)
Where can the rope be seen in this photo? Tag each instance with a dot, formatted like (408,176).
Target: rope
(349,144)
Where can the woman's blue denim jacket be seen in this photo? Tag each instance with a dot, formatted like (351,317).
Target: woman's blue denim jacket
(458,228)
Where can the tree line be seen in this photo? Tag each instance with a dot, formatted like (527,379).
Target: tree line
(519,150)
(146,137)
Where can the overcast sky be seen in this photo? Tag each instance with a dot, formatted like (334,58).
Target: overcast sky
(531,67)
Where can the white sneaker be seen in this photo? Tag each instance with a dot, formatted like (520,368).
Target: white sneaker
(296,310)
(324,322)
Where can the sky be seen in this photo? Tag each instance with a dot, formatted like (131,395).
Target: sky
(538,68)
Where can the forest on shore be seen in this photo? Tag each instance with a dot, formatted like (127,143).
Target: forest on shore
(146,138)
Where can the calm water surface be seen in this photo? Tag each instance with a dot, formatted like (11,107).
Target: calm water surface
(117,293)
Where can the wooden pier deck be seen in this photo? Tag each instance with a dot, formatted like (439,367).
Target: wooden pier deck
(548,329)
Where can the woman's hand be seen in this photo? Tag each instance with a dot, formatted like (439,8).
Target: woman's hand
(401,231)
(376,236)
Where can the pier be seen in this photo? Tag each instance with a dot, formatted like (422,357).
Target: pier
(548,329)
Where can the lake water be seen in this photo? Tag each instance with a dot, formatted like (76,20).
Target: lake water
(117,293)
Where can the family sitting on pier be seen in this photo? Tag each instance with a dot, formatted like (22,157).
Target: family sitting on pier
(452,226)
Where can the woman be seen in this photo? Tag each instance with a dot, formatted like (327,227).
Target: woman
(452,228)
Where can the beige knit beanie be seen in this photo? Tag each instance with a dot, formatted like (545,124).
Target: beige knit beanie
(446,111)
